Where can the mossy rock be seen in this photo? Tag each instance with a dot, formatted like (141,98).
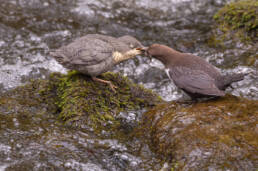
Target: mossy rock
(237,20)
(83,100)
(78,100)
(219,134)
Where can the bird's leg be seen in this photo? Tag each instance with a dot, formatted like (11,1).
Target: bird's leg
(105,82)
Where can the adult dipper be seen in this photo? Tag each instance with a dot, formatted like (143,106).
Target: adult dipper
(95,54)
(191,73)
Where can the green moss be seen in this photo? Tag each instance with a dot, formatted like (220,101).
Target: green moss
(80,100)
(237,19)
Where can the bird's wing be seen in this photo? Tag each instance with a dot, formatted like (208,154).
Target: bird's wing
(116,43)
(194,81)
(86,51)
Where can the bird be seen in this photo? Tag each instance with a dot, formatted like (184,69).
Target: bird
(94,54)
(195,76)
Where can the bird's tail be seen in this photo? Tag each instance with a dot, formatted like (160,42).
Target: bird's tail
(226,80)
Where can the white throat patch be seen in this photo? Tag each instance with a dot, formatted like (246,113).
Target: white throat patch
(167,72)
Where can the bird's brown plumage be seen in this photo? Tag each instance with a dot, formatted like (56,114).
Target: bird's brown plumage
(192,73)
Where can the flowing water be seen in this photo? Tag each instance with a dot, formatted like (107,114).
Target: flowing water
(30,28)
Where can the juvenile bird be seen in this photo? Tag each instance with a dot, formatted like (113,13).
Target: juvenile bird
(95,54)
(191,73)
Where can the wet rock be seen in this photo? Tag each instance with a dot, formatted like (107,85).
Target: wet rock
(76,99)
(220,134)
(79,123)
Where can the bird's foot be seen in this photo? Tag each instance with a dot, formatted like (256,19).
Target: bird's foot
(112,86)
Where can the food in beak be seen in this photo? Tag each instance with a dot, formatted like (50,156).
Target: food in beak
(144,51)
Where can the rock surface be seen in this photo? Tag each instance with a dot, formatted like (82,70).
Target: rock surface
(217,134)
(69,122)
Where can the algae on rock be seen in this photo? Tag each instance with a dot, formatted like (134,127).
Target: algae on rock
(216,134)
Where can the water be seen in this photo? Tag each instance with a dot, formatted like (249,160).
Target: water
(30,28)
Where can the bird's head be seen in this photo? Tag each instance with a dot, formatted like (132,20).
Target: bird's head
(130,41)
(158,51)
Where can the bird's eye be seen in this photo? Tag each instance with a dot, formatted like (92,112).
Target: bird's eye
(131,45)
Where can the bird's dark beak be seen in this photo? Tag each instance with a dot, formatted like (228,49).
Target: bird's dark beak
(144,51)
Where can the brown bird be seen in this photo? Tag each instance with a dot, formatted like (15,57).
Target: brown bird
(191,73)
(95,54)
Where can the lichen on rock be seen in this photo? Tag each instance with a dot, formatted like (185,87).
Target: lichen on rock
(215,134)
